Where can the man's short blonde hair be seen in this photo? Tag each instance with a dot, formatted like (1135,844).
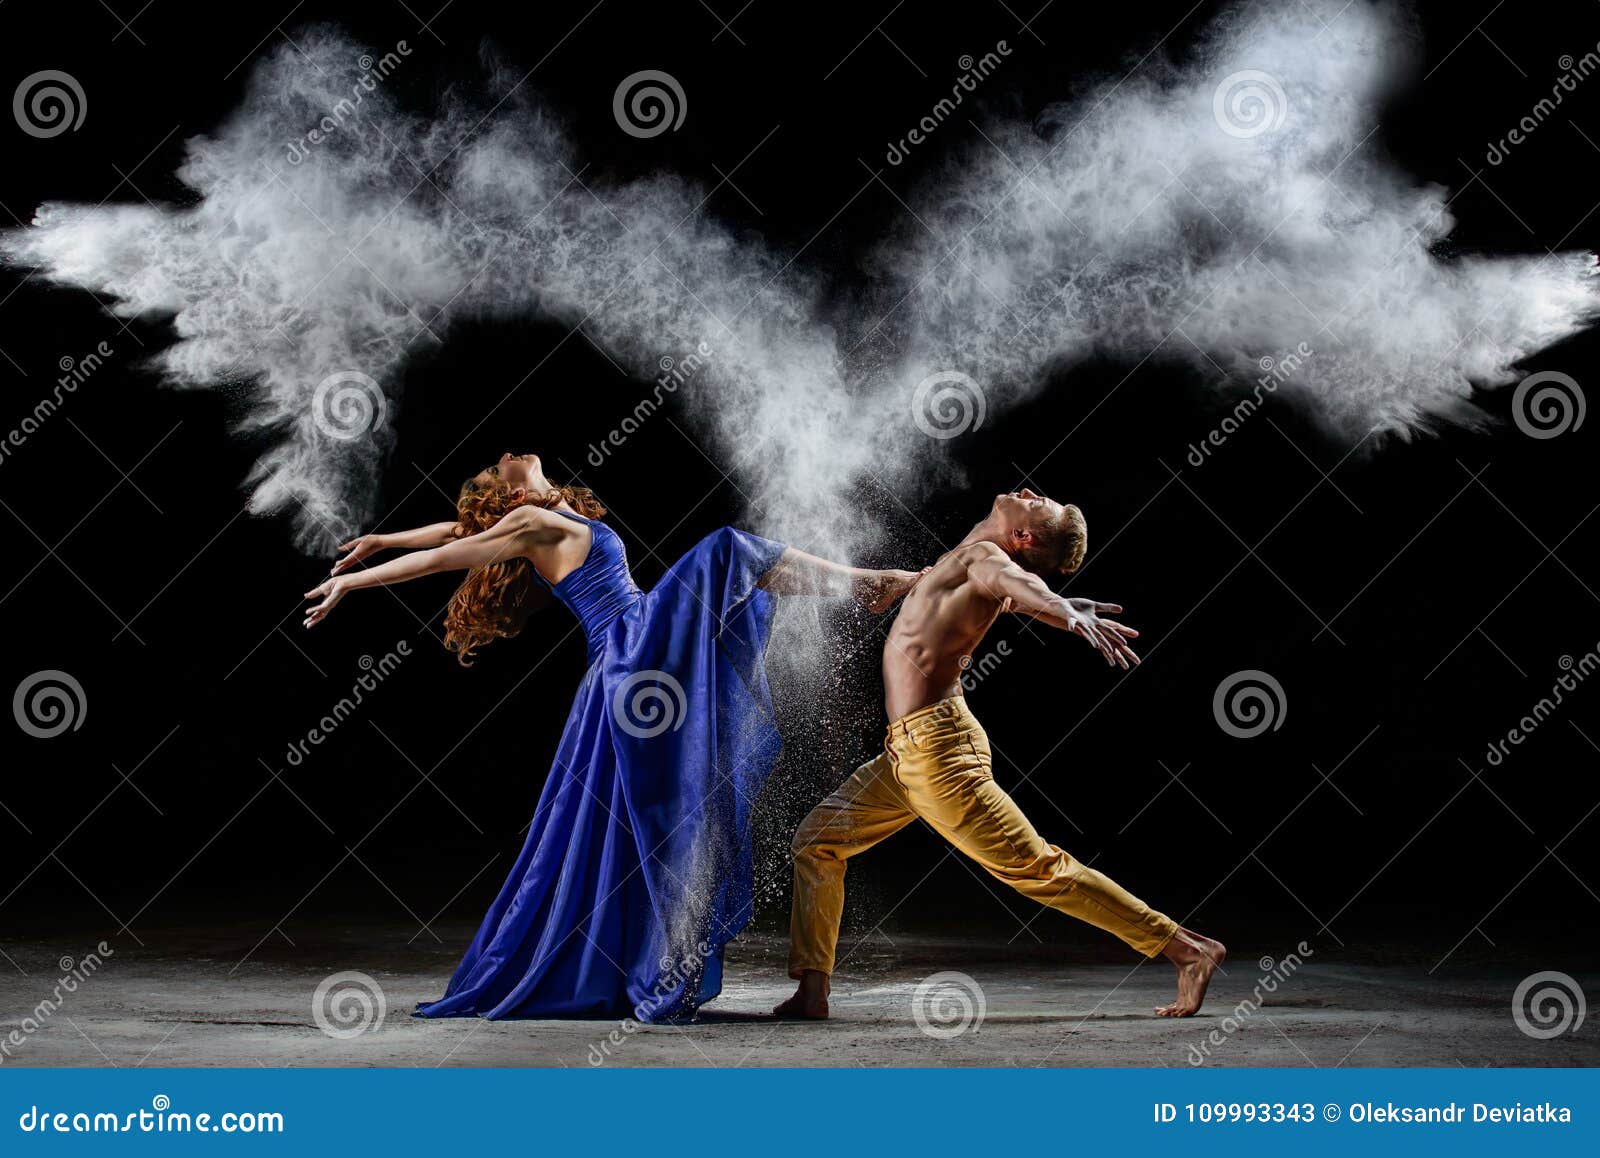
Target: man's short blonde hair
(1059,545)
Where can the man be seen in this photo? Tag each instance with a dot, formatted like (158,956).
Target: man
(936,763)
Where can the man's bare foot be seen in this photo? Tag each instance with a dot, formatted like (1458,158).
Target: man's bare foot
(1197,959)
(810,1001)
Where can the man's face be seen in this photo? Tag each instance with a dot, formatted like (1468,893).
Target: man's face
(1023,510)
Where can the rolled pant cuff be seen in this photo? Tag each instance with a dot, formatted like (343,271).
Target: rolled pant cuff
(1158,939)
(798,966)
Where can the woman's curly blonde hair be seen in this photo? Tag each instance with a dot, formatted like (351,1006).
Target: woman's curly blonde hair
(494,601)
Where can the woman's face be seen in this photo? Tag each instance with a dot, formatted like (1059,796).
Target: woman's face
(518,471)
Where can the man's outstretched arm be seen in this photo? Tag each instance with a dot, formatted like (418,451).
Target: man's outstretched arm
(1005,580)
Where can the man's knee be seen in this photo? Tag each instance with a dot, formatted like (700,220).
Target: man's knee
(1027,869)
(810,839)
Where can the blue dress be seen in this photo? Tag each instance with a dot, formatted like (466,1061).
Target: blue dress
(637,867)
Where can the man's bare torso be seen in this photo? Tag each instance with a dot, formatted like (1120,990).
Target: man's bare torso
(944,618)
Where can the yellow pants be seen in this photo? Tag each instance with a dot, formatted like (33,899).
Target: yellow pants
(936,765)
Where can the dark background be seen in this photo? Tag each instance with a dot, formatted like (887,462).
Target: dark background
(1450,601)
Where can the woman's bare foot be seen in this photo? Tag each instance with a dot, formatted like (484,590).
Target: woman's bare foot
(810,1001)
(1196,958)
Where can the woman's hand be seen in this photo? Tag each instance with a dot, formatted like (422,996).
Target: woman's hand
(356,550)
(330,591)
(878,591)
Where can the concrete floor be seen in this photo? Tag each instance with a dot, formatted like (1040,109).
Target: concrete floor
(193,1003)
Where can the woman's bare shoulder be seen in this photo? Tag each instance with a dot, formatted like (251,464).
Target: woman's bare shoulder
(545,526)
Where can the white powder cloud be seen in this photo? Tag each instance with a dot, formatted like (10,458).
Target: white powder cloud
(1144,217)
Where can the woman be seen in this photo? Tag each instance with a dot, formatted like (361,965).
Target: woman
(637,867)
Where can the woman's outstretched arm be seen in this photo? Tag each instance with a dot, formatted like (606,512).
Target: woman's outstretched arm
(520,533)
(418,538)
(799,573)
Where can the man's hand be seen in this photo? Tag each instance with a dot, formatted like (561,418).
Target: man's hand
(1109,637)
(1019,590)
